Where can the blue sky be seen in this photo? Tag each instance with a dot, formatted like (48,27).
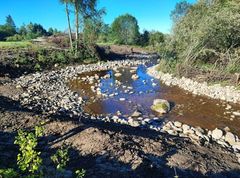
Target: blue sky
(151,14)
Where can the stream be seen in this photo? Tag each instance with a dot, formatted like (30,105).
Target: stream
(122,95)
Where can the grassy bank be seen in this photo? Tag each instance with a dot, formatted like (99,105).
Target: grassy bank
(25,57)
(205,43)
(18,44)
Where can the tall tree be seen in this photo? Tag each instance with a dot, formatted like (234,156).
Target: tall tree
(67,2)
(10,22)
(125,29)
(77,4)
(84,9)
(180,10)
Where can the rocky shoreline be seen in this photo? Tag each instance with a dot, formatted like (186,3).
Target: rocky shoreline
(49,92)
(227,93)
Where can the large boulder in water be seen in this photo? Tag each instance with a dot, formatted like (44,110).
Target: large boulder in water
(161,106)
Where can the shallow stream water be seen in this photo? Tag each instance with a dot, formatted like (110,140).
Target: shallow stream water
(127,95)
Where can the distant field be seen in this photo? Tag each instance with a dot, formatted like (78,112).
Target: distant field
(18,44)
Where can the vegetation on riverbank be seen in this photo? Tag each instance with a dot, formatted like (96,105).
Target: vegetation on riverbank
(205,41)
(29,161)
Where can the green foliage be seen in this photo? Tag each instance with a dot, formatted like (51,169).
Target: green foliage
(8,29)
(91,30)
(14,45)
(8,173)
(10,22)
(80,173)
(125,30)
(207,31)
(156,38)
(15,37)
(104,34)
(60,158)
(144,38)
(37,67)
(29,159)
(180,11)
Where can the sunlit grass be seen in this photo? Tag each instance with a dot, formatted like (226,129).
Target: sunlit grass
(17,44)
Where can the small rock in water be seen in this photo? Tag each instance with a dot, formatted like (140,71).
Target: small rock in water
(118,75)
(228,107)
(136,114)
(236,113)
(135,77)
(154,84)
(161,106)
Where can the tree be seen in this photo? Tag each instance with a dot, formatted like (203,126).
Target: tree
(144,38)
(22,30)
(8,29)
(180,10)
(84,9)
(125,29)
(66,2)
(91,30)
(10,23)
(156,38)
(104,34)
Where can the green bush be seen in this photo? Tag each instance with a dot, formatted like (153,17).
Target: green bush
(16,37)
(29,159)
(8,173)
(207,33)
(60,158)
(80,173)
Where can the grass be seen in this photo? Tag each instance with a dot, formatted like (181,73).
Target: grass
(17,44)
(105,44)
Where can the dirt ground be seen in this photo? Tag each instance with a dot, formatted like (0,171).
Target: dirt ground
(111,150)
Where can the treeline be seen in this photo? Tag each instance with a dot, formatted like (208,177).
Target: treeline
(123,31)
(10,32)
(205,36)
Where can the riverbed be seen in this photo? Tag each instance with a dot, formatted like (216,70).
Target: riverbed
(122,95)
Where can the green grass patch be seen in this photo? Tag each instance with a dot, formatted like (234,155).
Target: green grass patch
(105,44)
(18,44)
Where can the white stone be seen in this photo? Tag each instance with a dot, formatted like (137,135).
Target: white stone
(178,124)
(230,138)
(217,134)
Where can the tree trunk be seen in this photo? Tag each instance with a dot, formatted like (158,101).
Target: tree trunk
(76,25)
(69,27)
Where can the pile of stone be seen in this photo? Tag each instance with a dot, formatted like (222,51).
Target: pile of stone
(197,134)
(227,93)
(224,138)
(48,92)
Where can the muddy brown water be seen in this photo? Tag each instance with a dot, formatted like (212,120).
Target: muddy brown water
(187,108)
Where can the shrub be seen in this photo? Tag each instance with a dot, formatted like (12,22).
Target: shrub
(80,173)
(60,159)
(29,159)
(16,37)
(208,32)
(8,173)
